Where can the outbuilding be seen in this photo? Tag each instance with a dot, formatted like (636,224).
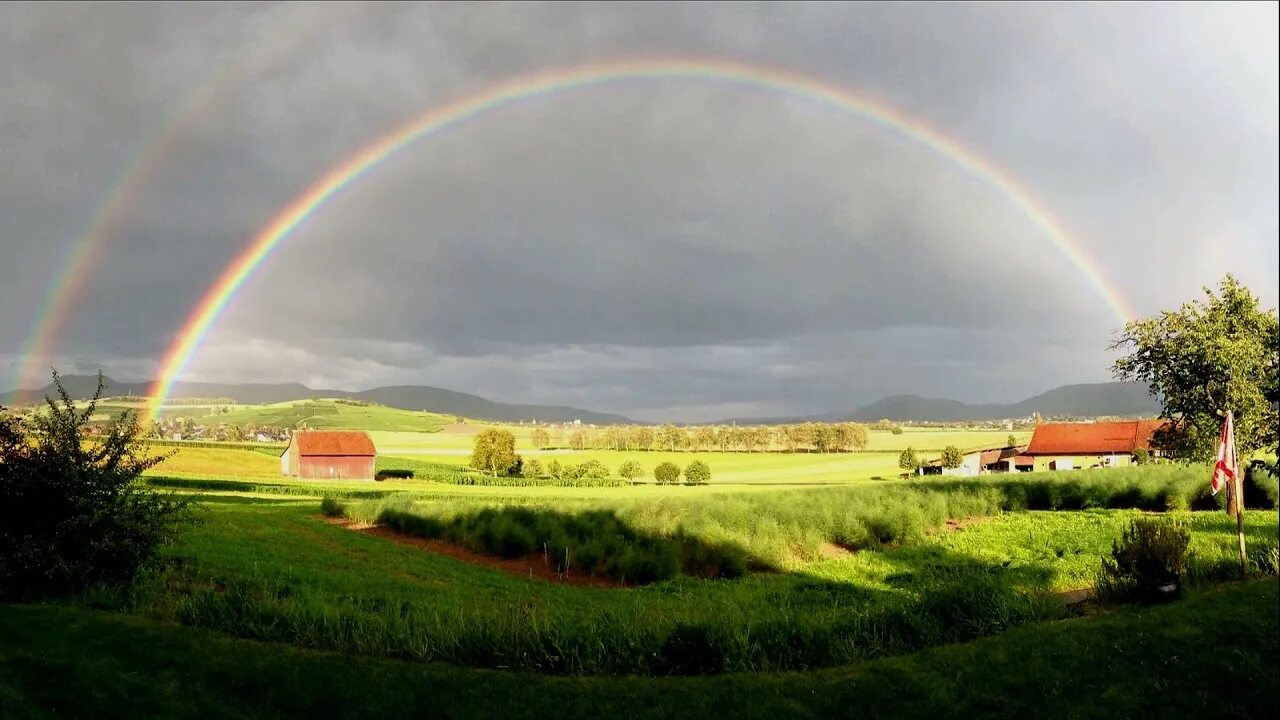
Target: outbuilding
(330,455)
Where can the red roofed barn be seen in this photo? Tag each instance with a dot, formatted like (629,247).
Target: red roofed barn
(1066,446)
(329,454)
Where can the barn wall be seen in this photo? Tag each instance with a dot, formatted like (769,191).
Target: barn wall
(336,468)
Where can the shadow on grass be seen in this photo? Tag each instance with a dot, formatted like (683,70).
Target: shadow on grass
(592,542)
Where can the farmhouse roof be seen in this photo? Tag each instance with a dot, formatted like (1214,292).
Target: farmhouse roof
(334,443)
(1092,438)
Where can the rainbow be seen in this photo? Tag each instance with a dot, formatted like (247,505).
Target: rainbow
(540,84)
(74,274)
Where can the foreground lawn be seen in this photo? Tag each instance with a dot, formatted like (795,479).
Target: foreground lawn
(1212,655)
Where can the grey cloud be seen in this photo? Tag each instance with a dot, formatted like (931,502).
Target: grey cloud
(710,247)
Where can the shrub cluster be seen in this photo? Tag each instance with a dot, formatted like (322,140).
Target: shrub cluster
(1150,555)
(394,474)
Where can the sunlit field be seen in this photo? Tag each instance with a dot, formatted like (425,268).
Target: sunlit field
(834,575)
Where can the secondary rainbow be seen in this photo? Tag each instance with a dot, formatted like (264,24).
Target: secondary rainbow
(75,273)
(540,84)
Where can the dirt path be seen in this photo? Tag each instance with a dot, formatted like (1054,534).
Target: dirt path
(533,567)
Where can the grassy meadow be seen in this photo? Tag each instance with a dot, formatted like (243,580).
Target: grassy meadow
(796,570)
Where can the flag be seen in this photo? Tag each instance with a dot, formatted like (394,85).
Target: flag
(1224,470)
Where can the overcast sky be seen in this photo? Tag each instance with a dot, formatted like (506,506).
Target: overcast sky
(664,248)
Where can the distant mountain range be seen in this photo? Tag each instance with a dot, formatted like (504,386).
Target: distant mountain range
(408,397)
(1086,400)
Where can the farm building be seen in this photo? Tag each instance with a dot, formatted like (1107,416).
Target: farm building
(329,454)
(1067,446)
(980,461)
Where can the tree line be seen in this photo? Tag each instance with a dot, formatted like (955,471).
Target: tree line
(802,437)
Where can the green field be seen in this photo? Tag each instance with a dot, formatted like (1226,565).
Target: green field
(858,576)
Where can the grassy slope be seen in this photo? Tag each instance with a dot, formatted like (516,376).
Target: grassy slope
(328,414)
(1187,659)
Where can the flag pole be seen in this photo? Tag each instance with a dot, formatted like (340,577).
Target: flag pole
(1239,493)
(1237,488)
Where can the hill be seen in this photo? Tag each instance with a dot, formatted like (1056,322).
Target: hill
(407,397)
(1084,400)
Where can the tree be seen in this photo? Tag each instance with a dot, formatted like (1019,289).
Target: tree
(1211,355)
(533,469)
(908,460)
(707,437)
(697,473)
(555,470)
(541,438)
(670,437)
(851,436)
(494,452)
(822,436)
(578,439)
(952,457)
(642,438)
(76,515)
(1011,441)
(667,473)
(631,470)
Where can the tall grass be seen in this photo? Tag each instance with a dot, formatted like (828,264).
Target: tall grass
(788,634)
(786,529)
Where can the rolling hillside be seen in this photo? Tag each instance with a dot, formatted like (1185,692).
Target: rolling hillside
(410,397)
(1083,401)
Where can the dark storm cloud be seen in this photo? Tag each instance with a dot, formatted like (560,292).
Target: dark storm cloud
(645,246)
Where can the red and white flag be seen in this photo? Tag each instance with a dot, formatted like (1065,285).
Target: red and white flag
(1224,470)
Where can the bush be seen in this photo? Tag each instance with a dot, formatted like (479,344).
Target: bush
(667,473)
(533,469)
(592,470)
(1151,554)
(896,430)
(1141,456)
(631,470)
(393,474)
(697,473)
(76,514)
